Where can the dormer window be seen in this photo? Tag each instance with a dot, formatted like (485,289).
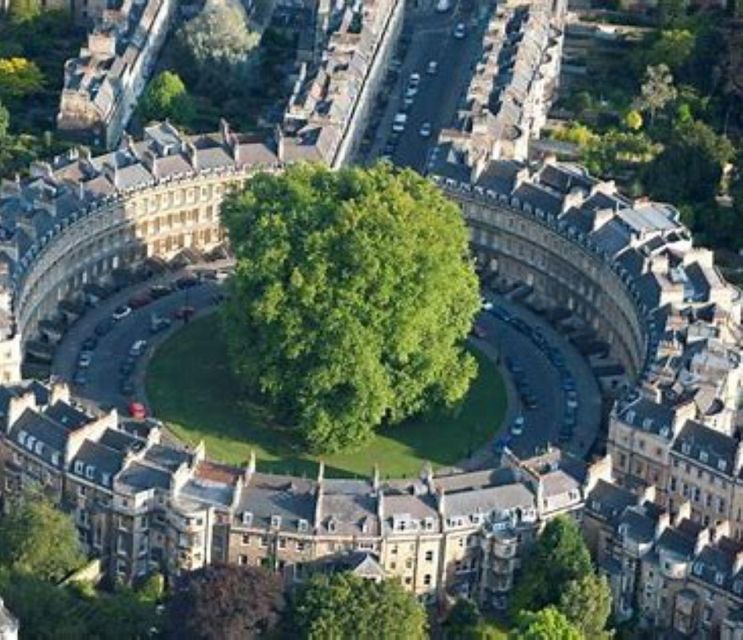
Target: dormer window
(106,479)
(722,465)
(55,459)
(738,587)
(685,448)
(30,443)
(302,525)
(630,417)
(275,521)
(39,448)
(698,568)
(22,437)
(703,456)
(719,578)
(79,467)
(89,472)
(331,525)
(247,518)
(428,524)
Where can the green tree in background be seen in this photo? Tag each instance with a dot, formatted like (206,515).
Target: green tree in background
(353,294)
(166,97)
(690,167)
(38,539)
(19,77)
(559,556)
(21,11)
(345,606)
(586,603)
(4,120)
(225,602)
(463,620)
(546,624)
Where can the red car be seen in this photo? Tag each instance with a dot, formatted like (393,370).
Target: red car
(142,300)
(137,410)
(183,313)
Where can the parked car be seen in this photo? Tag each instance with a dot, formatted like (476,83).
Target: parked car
(137,410)
(80,378)
(460,31)
(485,304)
(121,312)
(160,290)
(186,282)
(184,312)
(517,427)
(415,79)
(159,323)
(425,130)
(84,359)
(90,343)
(138,301)
(104,327)
(127,366)
(138,348)
(432,68)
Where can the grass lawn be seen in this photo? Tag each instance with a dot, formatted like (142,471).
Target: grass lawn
(190,387)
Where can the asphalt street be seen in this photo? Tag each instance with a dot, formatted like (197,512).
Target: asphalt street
(439,94)
(103,375)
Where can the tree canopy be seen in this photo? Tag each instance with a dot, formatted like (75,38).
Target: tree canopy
(586,603)
(38,539)
(19,77)
(214,49)
(353,294)
(166,98)
(225,602)
(345,606)
(657,90)
(559,556)
(546,624)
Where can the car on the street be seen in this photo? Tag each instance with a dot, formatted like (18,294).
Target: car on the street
(104,327)
(137,410)
(432,68)
(460,31)
(399,122)
(160,290)
(159,323)
(84,359)
(411,92)
(443,5)
(415,79)
(89,344)
(184,312)
(121,312)
(479,331)
(486,305)
(126,386)
(80,378)
(138,301)
(127,366)
(425,130)
(517,426)
(138,348)
(186,282)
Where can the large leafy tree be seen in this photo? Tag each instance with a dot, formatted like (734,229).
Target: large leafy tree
(166,97)
(213,50)
(4,120)
(691,165)
(546,624)
(353,294)
(38,539)
(19,77)
(345,606)
(559,556)
(586,603)
(657,90)
(226,602)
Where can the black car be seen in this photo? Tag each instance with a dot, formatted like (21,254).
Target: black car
(126,387)
(104,327)
(186,282)
(89,344)
(80,378)
(126,367)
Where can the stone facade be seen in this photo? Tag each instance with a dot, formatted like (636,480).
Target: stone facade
(140,504)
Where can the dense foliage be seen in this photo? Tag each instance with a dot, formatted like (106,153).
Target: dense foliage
(353,294)
(166,98)
(38,539)
(226,602)
(214,49)
(546,624)
(558,557)
(345,606)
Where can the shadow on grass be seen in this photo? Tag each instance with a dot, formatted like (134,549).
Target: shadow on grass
(191,388)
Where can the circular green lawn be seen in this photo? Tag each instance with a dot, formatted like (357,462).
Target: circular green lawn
(190,387)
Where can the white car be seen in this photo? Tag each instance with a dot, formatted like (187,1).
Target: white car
(425,129)
(121,312)
(517,428)
(137,349)
(432,68)
(486,305)
(443,5)
(83,362)
(415,79)
(460,31)
(411,92)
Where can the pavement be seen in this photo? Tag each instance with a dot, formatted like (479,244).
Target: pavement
(431,38)
(104,376)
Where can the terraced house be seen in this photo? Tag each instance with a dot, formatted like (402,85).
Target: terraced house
(140,504)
